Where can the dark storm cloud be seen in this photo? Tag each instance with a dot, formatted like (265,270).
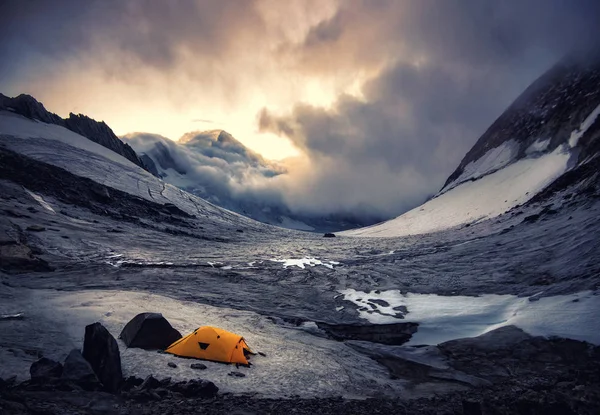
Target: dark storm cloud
(432,75)
(155,33)
(453,67)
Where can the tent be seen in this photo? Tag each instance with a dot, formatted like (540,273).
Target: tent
(149,331)
(211,343)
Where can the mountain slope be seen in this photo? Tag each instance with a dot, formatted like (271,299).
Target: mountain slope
(98,132)
(551,129)
(60,147)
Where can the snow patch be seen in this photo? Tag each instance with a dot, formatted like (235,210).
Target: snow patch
(538,146)
(41,201)
(587,123)
(488,197)
(302,262)
(443,318)
(491,161)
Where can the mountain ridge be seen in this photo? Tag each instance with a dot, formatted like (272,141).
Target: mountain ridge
(552,108)
(96,131)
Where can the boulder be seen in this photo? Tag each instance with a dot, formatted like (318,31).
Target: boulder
(101,350)
(200,366)
(149,331)
(329,235)
(78,370)
(45,369)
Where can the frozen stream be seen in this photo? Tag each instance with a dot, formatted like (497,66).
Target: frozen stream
(443,318)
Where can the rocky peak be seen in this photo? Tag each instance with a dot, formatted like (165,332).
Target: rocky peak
(29,107)
(101,133)
(98,132)
(548,111)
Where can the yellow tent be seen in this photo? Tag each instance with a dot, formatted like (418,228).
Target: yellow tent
(211,343)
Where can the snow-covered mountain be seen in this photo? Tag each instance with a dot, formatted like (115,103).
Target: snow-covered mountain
(549,136)
(60,147)
(98,132)
(217,167)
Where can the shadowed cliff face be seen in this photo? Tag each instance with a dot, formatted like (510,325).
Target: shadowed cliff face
(559,108)
(98,132)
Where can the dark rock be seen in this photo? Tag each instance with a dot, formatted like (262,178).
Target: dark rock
(45,368)
(101,350)
(239,230)
(382,303)
(200,366)
(79,371)
(161,392)
(150,383)
(262,354)
(149,331)
(171,364)
(165,381)
(391,334)
(8,383)
(531,218)
(14,214)
(502,338)
(195,388)
(36,228)
(131,382)
(29,107)
(471,407)
(329,235)
(237,374)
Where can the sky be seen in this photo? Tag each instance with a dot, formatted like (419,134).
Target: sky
(366,105)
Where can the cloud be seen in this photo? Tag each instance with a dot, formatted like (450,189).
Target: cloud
(444,71)
(381,97)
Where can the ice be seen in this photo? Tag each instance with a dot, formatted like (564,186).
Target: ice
(587,123)
(443,318)
(487,197)
(302,262)
(41,201)
(296,362)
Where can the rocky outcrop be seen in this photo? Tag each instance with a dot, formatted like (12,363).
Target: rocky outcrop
(17,257)
(29,107)
(391,334)
(502,355)
(78,370)
(98,132)
(45,368)
(101,350)
(101,133)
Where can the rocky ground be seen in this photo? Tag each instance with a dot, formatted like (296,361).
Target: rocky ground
(62,233)
(503,372)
